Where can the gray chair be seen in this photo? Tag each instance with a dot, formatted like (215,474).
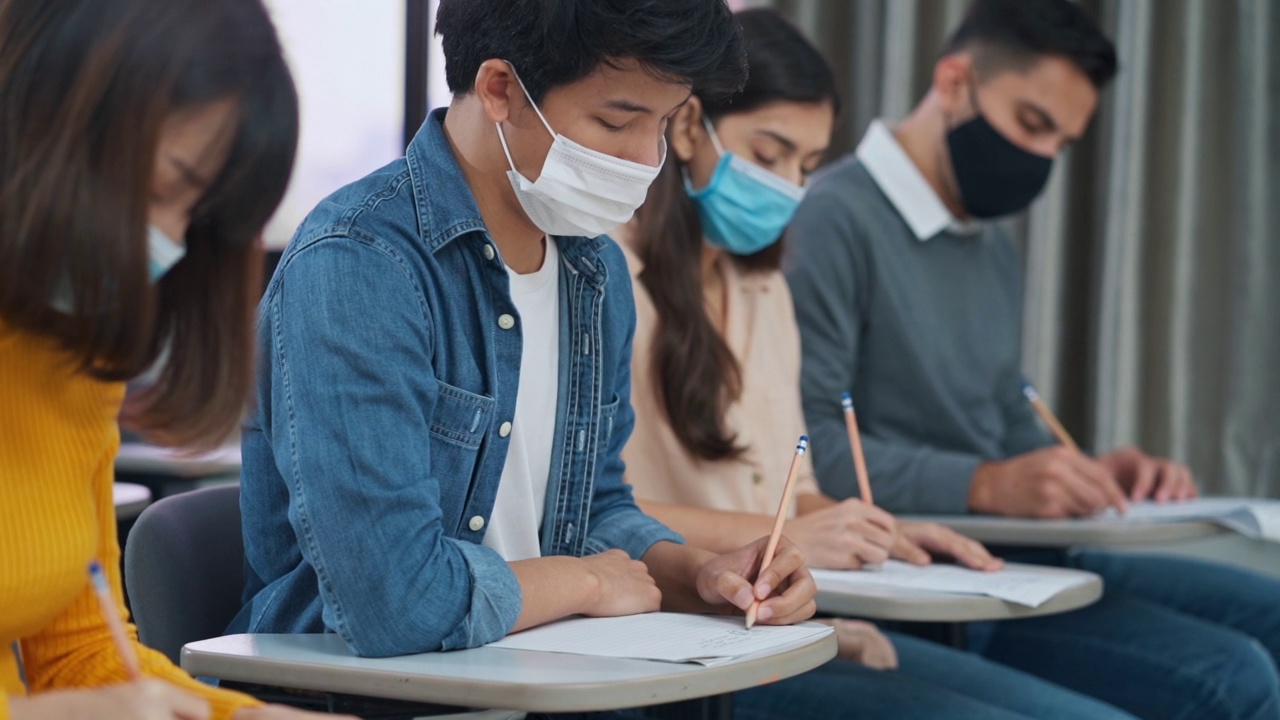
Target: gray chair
(184,568)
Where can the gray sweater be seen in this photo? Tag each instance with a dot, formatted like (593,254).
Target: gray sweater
(924,333)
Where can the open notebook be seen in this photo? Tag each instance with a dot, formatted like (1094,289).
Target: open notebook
(1258,519)
(668,637)
(1030,586)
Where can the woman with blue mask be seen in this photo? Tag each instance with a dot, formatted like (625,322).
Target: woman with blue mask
(715,371)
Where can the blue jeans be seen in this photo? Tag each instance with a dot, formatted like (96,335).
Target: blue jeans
(932,681)
(1172,638)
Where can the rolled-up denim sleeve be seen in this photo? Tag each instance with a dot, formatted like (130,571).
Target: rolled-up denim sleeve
(352,402)
(616,521)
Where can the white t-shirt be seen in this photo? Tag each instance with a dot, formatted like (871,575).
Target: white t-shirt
(522,493)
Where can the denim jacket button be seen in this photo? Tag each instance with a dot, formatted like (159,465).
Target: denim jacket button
(506,322)
(505,429)
(488,252)
(476,524)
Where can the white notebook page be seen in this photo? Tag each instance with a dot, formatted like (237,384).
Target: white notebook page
(1030,586)
(668,637)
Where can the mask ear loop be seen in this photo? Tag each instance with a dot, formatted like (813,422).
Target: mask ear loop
(972,81)
(715,138)
(502,136)
(715,143)
(529,97)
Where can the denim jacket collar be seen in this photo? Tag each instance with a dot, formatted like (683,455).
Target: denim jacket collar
(444,203)
(446,207)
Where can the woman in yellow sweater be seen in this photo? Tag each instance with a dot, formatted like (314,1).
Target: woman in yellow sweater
(143,145)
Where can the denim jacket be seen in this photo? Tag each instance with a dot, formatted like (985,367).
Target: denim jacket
(389,359)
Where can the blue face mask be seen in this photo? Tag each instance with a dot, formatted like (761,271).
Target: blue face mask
(744,208)
(163,253)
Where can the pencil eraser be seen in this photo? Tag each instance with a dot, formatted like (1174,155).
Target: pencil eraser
(1029,391)
(846,399)
(804,444)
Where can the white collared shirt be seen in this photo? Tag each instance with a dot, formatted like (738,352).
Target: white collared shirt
(905,186)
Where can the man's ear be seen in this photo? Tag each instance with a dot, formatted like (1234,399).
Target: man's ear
(686,131)
(498,90)
(952,82)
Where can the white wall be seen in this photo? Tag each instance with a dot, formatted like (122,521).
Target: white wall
(347,58)
(437,89)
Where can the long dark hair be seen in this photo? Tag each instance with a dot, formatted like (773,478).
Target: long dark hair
(85,87)
(697,374)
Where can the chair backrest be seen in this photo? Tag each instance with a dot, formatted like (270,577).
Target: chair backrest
(184,568)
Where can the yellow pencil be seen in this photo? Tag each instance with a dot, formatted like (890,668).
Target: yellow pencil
(1048,417)
(778,521)
(855,441)
(112,617)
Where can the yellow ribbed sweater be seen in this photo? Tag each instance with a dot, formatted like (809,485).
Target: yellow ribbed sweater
(58,440)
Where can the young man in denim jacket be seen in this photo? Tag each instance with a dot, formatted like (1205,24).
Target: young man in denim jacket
(433,460)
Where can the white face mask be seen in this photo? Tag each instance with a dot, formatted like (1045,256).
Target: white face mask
(581,192)
(163,253)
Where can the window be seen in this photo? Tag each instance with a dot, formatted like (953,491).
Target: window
(348,61)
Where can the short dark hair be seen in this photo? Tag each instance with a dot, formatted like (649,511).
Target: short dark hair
(1015,33)
(557,42)
(85,87)
(697,376)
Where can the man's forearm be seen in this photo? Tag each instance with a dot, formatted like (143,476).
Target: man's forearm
(552,588)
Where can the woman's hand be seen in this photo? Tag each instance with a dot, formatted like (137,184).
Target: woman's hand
(147,699)
(844,536)
(919,542)
(283,712)
(863,643)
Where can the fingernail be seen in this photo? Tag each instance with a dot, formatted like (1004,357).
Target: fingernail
(763,590)
(765,613)
(743,598)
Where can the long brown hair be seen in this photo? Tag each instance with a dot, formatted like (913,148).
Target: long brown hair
(85,87)
(697,375)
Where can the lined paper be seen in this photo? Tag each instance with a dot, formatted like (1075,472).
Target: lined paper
(1031,587)
(1257,519)
(667,637)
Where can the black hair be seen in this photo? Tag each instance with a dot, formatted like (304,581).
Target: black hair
(557,42)
(696,374)
(1015,33)
(785,67)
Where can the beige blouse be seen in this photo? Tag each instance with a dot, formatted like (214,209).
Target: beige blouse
(768,420)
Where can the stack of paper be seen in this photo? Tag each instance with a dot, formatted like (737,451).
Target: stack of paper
(1258,519)
(1032,587)
(668,637)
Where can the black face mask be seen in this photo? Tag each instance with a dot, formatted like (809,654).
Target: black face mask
(995,176)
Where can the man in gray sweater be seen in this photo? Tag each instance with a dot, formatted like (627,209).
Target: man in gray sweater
(907,298)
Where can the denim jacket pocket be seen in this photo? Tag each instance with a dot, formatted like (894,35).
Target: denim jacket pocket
(461,417)
(607,414)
